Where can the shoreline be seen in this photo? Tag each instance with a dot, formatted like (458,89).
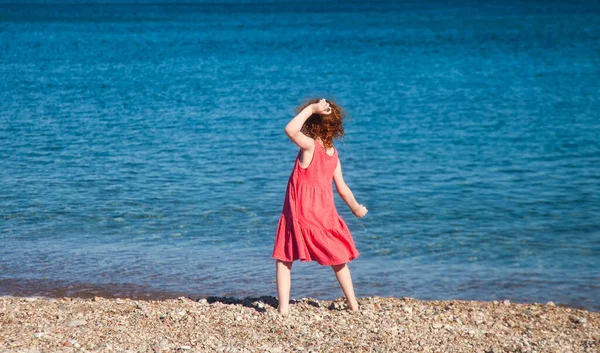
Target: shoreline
(251,324)
(57,289)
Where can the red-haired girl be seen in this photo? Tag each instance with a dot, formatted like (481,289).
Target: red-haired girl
(310,227)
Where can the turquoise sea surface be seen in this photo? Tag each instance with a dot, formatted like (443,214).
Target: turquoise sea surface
(142,150)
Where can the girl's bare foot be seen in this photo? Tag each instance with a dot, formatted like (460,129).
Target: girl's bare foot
(283,311)
(353,306)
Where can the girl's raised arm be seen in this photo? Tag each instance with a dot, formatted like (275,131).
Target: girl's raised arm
(294,128)
(346,194)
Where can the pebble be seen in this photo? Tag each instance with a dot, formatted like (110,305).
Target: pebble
(437,326)
(506,302)
(185,348)
(225,349)
(163,345)
(335,306)
(550,303)
(75,323)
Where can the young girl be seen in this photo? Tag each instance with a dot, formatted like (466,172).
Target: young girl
(310,227)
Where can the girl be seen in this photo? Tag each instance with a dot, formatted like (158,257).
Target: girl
(310,227)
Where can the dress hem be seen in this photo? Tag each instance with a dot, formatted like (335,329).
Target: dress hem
(317,261)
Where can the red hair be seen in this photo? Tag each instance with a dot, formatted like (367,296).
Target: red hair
(325,127)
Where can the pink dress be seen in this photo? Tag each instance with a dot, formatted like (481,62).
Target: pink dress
(310,227)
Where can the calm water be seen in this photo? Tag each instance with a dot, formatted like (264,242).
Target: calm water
(142,148)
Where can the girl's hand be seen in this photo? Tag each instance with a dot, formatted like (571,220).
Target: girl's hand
(360,211)
(322,107)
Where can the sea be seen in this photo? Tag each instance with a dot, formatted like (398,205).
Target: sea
(142,150)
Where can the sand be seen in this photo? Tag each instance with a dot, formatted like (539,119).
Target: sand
(219,324)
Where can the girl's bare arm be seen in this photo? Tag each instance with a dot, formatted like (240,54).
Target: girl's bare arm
(294,127)
(346,194)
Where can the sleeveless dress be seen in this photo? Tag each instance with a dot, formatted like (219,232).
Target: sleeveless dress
(309,227)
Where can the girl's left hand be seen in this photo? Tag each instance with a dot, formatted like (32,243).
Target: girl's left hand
(360,211)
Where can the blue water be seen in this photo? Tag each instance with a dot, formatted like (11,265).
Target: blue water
(142,147)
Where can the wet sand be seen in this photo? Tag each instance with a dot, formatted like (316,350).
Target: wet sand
(217,324)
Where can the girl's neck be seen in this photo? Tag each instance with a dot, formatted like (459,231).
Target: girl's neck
(321,142)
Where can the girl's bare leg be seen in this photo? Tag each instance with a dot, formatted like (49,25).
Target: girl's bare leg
(283,271)
(342,272)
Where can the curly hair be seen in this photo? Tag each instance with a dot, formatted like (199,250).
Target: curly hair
(326,127)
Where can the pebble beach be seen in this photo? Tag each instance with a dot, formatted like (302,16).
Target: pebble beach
(223,324)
